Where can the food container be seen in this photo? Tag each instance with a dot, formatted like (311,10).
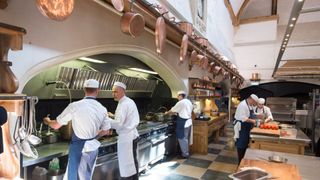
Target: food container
(277,159)
(250,174)
(55,175)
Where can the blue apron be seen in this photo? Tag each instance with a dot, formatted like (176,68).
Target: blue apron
(180,127)
(75,153)
(244,134)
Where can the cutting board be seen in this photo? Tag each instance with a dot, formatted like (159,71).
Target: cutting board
(280,170)
(267,132)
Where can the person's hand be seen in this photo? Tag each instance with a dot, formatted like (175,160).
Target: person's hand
(46,120)
(110,115)
(109,132)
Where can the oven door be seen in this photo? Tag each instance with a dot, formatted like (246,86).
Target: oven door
(158,148)
(144,147)
(106,167)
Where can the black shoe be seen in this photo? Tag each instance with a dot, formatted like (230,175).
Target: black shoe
(182,157)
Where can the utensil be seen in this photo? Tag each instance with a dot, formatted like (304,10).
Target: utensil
(184,47)
(277,159)
(160,34)
(34,140)
(56,10)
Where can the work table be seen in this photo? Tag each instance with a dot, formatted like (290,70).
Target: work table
(294,145)
(202,130)
(308,166)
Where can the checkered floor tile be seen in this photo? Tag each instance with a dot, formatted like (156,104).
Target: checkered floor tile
(220,161)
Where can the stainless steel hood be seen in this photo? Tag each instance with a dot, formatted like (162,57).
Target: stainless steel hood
(66,80)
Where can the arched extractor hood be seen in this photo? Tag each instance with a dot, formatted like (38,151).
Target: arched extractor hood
(66,80)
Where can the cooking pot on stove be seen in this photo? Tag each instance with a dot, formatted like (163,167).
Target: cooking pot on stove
(159,116)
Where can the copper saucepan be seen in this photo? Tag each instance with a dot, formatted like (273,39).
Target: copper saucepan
(56,10)
(160,34)
(132,23)
(186,27)
(192,59)
(183,47)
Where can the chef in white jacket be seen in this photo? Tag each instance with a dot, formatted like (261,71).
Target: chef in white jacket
(89,120)
(263,111)
(126,120)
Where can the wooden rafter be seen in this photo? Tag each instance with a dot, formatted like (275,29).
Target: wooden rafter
(244,4)
(231,12)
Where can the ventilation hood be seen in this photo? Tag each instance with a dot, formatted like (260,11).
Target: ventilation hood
(66,80)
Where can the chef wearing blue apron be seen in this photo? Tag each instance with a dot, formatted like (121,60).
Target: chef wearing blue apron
(89,120)
(125,121)
(243,123)
(183,108)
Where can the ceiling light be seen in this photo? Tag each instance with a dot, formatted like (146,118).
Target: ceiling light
(291,25)
(285,42)
(286,39)
(282,49)
(288,35)
(283,45)
(143,70)
(91,60)
(300,0)
(293,19)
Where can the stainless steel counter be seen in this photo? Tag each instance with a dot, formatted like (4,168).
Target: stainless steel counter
(308,165)
(49,151)
(301,138)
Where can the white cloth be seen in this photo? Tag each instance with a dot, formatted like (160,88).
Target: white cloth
(184,109)
(265,111)
(125,122)
(88,117)
(237,129)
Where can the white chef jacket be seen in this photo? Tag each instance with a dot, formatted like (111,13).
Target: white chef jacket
(184,108)
(125,122)
(265,110)
(126,117)
(88,117)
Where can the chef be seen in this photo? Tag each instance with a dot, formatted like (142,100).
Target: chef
(89,119)
(264,111)
(126,120)
(243,123)
(183,108)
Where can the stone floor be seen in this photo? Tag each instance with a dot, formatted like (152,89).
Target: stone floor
(217,164)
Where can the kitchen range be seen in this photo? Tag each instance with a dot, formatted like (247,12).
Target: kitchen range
(152,147)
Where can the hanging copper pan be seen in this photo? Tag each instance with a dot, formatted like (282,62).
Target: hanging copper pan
(192,59)
(205,62)
(211,67)
(118,5)
(160,34)
(132,24)
(57,10)
(200,60)
(183,48)
(202,41)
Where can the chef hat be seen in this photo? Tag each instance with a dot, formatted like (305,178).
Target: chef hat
(261,101)
(120,84)
(254,97)
(181,92)
(91,83)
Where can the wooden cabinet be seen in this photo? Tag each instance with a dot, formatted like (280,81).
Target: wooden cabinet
(203,130)
(278,146)
(199,88)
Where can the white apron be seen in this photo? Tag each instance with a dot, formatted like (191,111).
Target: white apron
(125,154)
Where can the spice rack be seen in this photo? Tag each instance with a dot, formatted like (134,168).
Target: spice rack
(199,88)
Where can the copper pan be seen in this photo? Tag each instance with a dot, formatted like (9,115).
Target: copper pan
(200,59)
(211,67)
(118,5)
(192,59)
(203,41)
(132,24)
(183,47)
(205,63)
(160,34)
(186,27)
(56,10)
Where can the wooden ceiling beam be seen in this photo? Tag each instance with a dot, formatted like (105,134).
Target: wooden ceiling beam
(231,12)
(244,4)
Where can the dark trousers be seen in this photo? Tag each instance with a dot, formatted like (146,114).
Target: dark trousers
(241,153)
(135,176)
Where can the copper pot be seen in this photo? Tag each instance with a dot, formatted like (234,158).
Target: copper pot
(186,27)
(56,10)
(160,34)
(132,24)
(203,41)
(192,59)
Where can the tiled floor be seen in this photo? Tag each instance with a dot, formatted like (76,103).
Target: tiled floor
(217,164)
